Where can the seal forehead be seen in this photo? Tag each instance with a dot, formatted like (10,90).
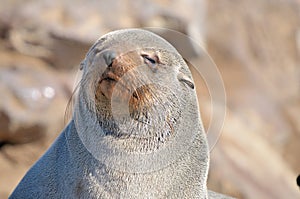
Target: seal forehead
(131,39)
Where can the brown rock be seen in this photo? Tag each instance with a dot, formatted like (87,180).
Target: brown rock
(30,93)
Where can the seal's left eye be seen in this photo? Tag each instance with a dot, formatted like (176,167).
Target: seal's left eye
(149,59)
(152,60)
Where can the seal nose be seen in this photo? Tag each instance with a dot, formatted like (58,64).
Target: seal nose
(109,57)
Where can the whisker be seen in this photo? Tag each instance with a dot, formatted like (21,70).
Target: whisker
(70,104)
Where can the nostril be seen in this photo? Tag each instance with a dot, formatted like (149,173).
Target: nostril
(109,57)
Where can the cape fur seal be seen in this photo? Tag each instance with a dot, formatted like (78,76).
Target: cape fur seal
(136,131)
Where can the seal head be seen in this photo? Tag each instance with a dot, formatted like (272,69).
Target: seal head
(134,85)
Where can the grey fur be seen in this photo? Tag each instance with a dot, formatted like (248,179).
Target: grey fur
(69,170)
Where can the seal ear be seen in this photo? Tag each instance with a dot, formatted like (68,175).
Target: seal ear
(185,79)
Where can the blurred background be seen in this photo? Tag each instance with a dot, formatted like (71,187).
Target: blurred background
(255,44)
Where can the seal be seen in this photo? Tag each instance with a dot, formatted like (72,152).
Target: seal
(136,131)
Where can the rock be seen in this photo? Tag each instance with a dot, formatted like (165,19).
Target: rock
(32,98)
(55,29)
(254,45)
(249,164)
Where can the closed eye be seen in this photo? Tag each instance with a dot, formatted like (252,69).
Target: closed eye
(149,59)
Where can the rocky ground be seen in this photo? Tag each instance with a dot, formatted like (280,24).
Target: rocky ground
(255,45)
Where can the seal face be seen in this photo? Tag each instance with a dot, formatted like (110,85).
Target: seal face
(149,118)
